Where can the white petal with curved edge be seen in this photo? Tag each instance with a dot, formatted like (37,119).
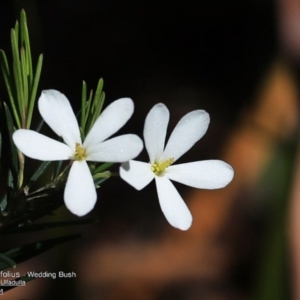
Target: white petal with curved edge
(57,112)
(207,174)
(38,146)
(136,173)
(155,130)
(80,193)
(172,205)
(113,117)
(118,149)
(187,132)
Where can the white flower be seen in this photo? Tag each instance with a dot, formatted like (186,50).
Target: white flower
(80,193)
(209,174)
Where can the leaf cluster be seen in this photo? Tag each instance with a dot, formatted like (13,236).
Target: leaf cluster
(25,195)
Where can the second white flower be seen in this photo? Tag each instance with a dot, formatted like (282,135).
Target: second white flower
(209,174)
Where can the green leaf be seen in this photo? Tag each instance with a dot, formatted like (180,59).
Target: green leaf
(9,86)
(97,105)
(16,30)
(57,168)
(3,203)
(102,168)
(46,226)
(25,39)
(98,99)
(25,252)
(34,87)
(22,82)
(24,74)
(17,75)
(100,180)
(37,174)
(39,126)
(32,207)
(271,279)
(14,166)
(87,113)
(6,260)
(105,174)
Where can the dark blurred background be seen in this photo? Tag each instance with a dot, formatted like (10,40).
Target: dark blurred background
(217,48)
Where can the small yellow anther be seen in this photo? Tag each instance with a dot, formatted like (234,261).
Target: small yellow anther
(159,167)
(80,153)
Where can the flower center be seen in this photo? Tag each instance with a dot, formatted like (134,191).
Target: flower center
(80,153)
(159,167)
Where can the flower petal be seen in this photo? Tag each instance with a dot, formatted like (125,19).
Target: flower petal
(38,146)
(80,193)
(110,121)
(118,149)
(136,173)
(172,205)
(155,130)
(57,112)
(207,174)
(187,132)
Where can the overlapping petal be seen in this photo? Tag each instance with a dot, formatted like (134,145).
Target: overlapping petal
(155,130)
(38,146)
(118,149)
(172,205)
(113,117)
(136,173)
(186,133)
(57,112)
(80,193)
(208,174)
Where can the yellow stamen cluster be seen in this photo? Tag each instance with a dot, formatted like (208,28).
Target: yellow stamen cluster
(80,153)
(159,167)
